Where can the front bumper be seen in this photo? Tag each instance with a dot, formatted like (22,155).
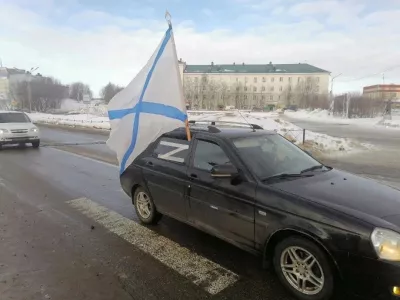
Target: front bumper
(370,278)
(12,140)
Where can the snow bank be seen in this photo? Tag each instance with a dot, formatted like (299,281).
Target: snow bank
(322,115)
(269,121)
(81,120)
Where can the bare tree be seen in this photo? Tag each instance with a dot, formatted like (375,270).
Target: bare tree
(109,91)
(306,93)
(46,93)
(78,89)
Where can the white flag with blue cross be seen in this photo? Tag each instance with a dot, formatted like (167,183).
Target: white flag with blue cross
(151,105)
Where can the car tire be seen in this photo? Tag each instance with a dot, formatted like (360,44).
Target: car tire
(305,262)
(36,144)
(145,207)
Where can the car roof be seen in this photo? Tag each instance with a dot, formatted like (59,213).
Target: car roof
(10,111)
(220,131)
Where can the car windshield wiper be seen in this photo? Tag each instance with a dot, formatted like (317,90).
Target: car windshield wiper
(286,175)
(312,168)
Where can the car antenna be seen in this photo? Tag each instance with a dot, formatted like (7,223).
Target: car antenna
(252,127)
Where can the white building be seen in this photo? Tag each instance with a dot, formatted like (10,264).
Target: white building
(249,86)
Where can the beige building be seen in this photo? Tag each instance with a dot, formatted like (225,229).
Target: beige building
(251,86)
(382,91)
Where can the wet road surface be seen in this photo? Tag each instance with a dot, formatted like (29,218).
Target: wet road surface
(66,233)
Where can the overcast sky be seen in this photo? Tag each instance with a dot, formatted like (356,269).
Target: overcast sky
(97,41)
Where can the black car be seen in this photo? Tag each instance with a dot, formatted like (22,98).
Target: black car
(320,228)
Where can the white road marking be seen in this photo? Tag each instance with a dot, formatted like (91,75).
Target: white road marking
(87,158)
(201,271)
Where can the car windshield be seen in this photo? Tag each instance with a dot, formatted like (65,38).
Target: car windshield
(14,118)
(272,155)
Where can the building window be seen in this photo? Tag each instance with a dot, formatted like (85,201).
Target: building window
(254,89)
(254,97)
(237,79)
(290,79)
(317,79)
(204,79)
(245,88)
(237,97)
(280,79)
(204,87)
(262,97)
(263,79)
(245,97)
(280,88)
(204,97)
(255,79)
(272,88)
(196,79)
(289,88)
(196,97)
(298,79)
(272,79)
(237,89)
(271,97)
(279,97)
(263,88)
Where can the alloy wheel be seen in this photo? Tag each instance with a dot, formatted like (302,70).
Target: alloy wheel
(302,270)
(143,205)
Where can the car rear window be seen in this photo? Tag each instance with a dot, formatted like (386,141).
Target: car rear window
(14,118)
(174,150)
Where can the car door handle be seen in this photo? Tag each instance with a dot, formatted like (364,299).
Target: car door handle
(150,164)
(193,176)
(214,207)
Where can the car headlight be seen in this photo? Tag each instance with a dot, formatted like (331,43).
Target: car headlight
(35,130)
(386,244)
(3,131)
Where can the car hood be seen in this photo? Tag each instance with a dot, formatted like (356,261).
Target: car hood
(346,192)
(11,126)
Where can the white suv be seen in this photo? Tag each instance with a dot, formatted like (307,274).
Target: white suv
(17,128)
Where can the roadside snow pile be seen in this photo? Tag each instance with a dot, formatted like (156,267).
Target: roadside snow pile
(81,120)
(270,121)
(323,115)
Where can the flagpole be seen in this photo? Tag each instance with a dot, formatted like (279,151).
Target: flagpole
(168,19)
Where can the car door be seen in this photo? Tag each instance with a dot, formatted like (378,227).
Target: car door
(165,174)
(220,205)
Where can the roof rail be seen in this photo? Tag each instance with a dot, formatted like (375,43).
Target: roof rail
(214,122)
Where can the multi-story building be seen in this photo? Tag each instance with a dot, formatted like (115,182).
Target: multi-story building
(382,91)
(249,86)
(8,78)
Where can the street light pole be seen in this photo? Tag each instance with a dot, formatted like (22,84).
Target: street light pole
(331,93)
(30,88)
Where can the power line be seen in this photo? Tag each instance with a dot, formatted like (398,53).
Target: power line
(371,75)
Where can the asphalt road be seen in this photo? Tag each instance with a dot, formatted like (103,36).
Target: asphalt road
(68,231)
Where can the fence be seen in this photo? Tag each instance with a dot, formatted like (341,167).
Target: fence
(295,135)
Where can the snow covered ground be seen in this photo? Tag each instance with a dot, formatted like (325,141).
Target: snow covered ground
(324,116)
(269,121)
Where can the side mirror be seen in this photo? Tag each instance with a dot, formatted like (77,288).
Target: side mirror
(224,171)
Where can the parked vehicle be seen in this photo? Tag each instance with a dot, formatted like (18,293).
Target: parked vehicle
(319,228)
(17,128)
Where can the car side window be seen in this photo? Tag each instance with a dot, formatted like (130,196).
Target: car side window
(207,155)
(174,150)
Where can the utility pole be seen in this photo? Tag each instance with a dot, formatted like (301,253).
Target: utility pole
(331,93)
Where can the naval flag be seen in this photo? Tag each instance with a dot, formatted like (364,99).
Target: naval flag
(152,104)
